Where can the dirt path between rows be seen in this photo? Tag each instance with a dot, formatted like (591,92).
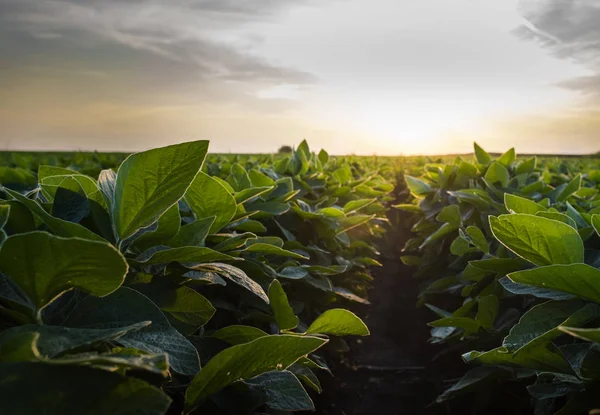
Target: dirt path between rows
(390,372)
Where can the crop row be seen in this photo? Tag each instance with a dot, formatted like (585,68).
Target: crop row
(175,285)
(508,254)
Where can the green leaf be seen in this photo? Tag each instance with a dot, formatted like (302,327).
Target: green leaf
(207,197)
(417,186)
(353,221)
(522,289)
(497,173)
(19,347)
(57,226)
(247,360)
(573,186)
(323,157)
(236,275)
(559,217)
(526,166)
(459,246)
(167,227)
(53,341)
(487,311)
(541,323)
(508,158)
(284,391)
(541,357)
(578,279)
(478,238)
(127,306)
(482,156)
(181,302)
(539,240)
(450,214)
(45,171)
(238,334)
(4,215)
(192,234)
(519,204)
(596,223)
(107,180)
(251,193)
(76,390)
(338,322)
(185,255)
(356,205)
(268,249)
(286,319)
(150,182)
(44,265)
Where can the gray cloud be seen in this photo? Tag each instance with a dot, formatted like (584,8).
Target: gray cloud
(173,47)
(569,29)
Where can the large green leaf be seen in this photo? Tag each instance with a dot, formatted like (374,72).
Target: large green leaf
(127,306)
(150,182)
(338,322)
(247,360)
(41,388)
(481,155)
(521,205)
(284,315)
(207,197)
(578,279)
(540,323)
(44,265)
(539,240)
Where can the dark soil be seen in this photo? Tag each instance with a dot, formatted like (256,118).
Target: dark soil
(391,371)
(396,370)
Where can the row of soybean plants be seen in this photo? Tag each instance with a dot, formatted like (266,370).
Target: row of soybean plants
(508,253)
(175,285)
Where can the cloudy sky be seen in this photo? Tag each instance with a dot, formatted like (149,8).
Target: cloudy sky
(353,76)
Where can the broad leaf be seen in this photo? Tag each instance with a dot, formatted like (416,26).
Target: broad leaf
(44,265)
(207,197)
(338,322)
(539,240)
(578,279)
(150,182)
(284,315)
(247,360)
(127,306)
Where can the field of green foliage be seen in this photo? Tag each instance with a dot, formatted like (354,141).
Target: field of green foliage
(174,281)
(508,254)
(166,282)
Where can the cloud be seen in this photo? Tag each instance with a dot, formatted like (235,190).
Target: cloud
(569,30)
(180,41)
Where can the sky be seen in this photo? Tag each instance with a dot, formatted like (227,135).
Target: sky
(352,76)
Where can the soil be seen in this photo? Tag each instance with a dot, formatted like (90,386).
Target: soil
(396,370)
(391,371)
